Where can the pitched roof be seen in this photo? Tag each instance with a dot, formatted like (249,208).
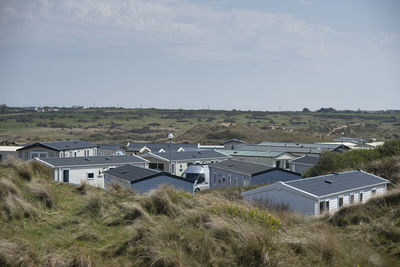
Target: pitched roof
(188,155)
(156,147)
(96,160)
(233,140)
(306,160)
(329,184)
(63,145)
(249,153)
(135,174)
(245,167)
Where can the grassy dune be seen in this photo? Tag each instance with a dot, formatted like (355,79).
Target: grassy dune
(44,223)
(110,125)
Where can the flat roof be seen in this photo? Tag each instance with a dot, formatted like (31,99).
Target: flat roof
(10,148)
(245,167)
(189,155)
(250,153)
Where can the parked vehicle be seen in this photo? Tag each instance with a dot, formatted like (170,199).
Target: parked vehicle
(199,173)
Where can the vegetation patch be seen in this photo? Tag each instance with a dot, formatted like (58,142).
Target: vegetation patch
(252,214)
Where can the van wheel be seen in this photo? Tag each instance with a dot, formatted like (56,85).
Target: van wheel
(197,190)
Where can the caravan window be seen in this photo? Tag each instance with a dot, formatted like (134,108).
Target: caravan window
(323,206)
(351,199)
(340,202)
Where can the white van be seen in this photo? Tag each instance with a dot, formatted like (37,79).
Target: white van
(201,175)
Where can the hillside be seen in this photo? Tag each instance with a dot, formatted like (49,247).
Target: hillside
(44,223)
(111,125)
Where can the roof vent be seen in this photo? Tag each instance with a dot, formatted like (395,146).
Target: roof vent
(328,181)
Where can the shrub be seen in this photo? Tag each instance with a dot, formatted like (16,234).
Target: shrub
(353,159)
(43,193)
(159,202)
(82,188)
(12,254)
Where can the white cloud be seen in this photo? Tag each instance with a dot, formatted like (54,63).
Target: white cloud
(192,30)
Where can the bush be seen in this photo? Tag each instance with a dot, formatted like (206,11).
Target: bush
(330,162)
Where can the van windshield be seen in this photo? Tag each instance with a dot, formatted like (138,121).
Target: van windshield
(198,177)
(192,176)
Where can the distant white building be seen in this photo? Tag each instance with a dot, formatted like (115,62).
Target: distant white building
(320,194)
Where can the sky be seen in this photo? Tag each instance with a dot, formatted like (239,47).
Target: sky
(196,54)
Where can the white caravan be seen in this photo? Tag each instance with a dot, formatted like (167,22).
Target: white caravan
(201,175)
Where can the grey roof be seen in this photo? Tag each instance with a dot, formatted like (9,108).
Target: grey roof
(306,160)
(279,149)
(156,147)
(350,139)
(96,160)
(189,155)
(334,183)
(136,174)
(245,167)
(109,147)
(303,145)
(63,145)
(245,153)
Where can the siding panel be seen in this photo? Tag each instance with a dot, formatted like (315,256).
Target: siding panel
(294,201)
(153,183)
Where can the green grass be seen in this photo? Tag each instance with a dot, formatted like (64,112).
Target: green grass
(205,126)
(89,226)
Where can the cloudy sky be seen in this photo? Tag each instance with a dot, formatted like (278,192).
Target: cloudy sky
(222,54)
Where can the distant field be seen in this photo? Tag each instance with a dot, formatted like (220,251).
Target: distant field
(110,125)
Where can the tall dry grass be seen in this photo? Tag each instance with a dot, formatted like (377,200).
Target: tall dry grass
(49,224)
